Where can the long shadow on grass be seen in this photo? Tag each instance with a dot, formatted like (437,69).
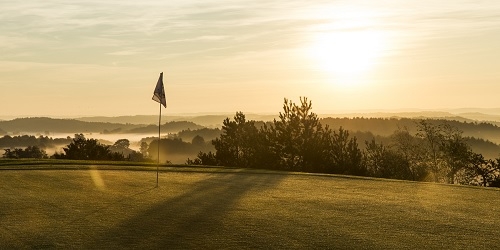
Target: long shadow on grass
(99,210)
(198,216)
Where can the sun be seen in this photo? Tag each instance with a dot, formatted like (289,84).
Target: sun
(346,53)
(347,49)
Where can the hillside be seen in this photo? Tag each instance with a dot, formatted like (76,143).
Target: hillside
(136,119)
(169,127)
(387,126)
(468,115)
(130,124)
(363,128)
(52,125)
(204,120)
(213,121)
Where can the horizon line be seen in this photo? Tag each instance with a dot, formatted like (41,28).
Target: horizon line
(453,111)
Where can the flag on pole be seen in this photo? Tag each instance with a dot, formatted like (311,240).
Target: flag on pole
(159,94)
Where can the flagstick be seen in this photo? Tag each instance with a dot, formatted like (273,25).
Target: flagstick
(159,140)
(159,96)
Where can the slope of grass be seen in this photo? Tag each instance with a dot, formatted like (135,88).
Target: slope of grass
(237,208)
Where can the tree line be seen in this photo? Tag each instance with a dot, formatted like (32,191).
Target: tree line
(41,141)
(386,126)
(431,150)
(298,141)
(81,148)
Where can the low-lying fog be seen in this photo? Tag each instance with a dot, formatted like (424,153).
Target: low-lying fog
(110,138)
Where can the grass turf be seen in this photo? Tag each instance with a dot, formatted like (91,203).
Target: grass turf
(102,207)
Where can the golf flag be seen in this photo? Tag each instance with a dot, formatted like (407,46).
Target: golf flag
(159,94)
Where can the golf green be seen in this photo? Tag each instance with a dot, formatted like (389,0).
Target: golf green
(214,208)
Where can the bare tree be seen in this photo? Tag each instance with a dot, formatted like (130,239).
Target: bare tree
(412,151)
(432,135)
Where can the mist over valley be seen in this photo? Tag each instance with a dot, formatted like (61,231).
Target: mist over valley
(481,129)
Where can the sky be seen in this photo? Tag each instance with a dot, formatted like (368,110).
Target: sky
(82,58)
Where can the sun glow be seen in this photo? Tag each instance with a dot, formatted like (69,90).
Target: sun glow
(347,48)
(347,53)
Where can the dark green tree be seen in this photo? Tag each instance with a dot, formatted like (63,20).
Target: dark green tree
(383,162)
(198,141)
(203,159)
(237,144)
(88,149)
(345,155)
(29,152)
(298,139)
(122,144)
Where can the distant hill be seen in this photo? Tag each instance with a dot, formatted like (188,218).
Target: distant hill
(486,111)
(362,127)
(215,120)
(482,117)
(51,125)
(455,115)
(136,119)
(204,120)
(384,125)
(212,121)
(387,126)
(208,134)
(169,127)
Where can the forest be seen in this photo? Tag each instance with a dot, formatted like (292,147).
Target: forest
(437,150)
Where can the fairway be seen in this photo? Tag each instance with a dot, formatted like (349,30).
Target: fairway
(214,208)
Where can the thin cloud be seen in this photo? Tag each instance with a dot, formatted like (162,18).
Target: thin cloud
(74,25)
(211,34)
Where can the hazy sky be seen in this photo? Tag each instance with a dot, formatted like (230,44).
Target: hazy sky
(104,57)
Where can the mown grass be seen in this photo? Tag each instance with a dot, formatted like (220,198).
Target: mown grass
(236,208)
(55,162)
